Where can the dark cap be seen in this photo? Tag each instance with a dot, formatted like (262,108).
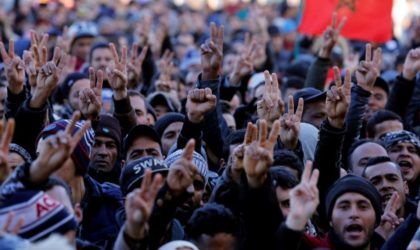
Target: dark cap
(381,83)
(69,82)
(396,137)
(167,119)
(309,95)
(163,99)
(354,184)
(109,126)
(133,173)
(141,131)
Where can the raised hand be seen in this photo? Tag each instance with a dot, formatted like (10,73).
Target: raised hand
(64,41)
(212,53)
(259,154)
(290,124)
(139,204)
(389,219)
(330,36)
(412,64)
(243,64)
(39,49)
(91,98)
(6,139)
(369,69)
(118,75)
(199,102)
(271,106)
(182,171)
(239,151)
(338,99)
(47,79)
(304,199)
(56,149)
(165,65)
(135,63)
(7,226)
(14,68)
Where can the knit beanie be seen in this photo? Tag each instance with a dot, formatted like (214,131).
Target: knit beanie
(198,160)
(351,183)
(15,148)
(109,126)
(81,154)
(396,137)
(41,214)
(163,122)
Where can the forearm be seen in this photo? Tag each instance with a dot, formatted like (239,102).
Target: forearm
(354,118)
(317,73)
(13,102)
(189,131)
(125,114)
(400,95)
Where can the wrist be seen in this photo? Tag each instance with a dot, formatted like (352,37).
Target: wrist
(234,78)
(120,94)
(195,118)
(324,53)
(336,123)
(134,231)
(37,100)
(296,222)
(16,89)
(256,181)
(409,74)
(209,74)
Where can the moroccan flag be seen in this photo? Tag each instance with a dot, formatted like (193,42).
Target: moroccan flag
(367,20)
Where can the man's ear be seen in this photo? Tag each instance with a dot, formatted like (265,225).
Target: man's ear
(78,213)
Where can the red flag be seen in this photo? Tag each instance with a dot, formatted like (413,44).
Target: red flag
(367,20)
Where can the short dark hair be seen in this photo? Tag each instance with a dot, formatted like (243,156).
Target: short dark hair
(377,160)
(236,137)
(211,219)
(379,117)
(358,143)
(95,46)
(283,178)
(288,158)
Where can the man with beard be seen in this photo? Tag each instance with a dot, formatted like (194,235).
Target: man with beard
(387,178)
(105,165)
(404,149)
(353,208)
(185,210)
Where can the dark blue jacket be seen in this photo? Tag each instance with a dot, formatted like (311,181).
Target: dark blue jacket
(100,204)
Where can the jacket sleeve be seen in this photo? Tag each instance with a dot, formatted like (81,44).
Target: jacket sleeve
(125,115)
(317,73)
(288,239)
(413,107)
(327,159)
(29,124)
(354,119)
(400,96)
(13,102)
(124,242)
(403,235)
(190,131)
(163,214)
(261,215)
(215,127)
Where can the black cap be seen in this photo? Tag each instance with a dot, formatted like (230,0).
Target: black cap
(109,126)
(141,131)
(353,184)
(309,95)
(167,119)
(133,173)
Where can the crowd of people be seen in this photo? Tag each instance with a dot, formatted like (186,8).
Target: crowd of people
(149,125)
